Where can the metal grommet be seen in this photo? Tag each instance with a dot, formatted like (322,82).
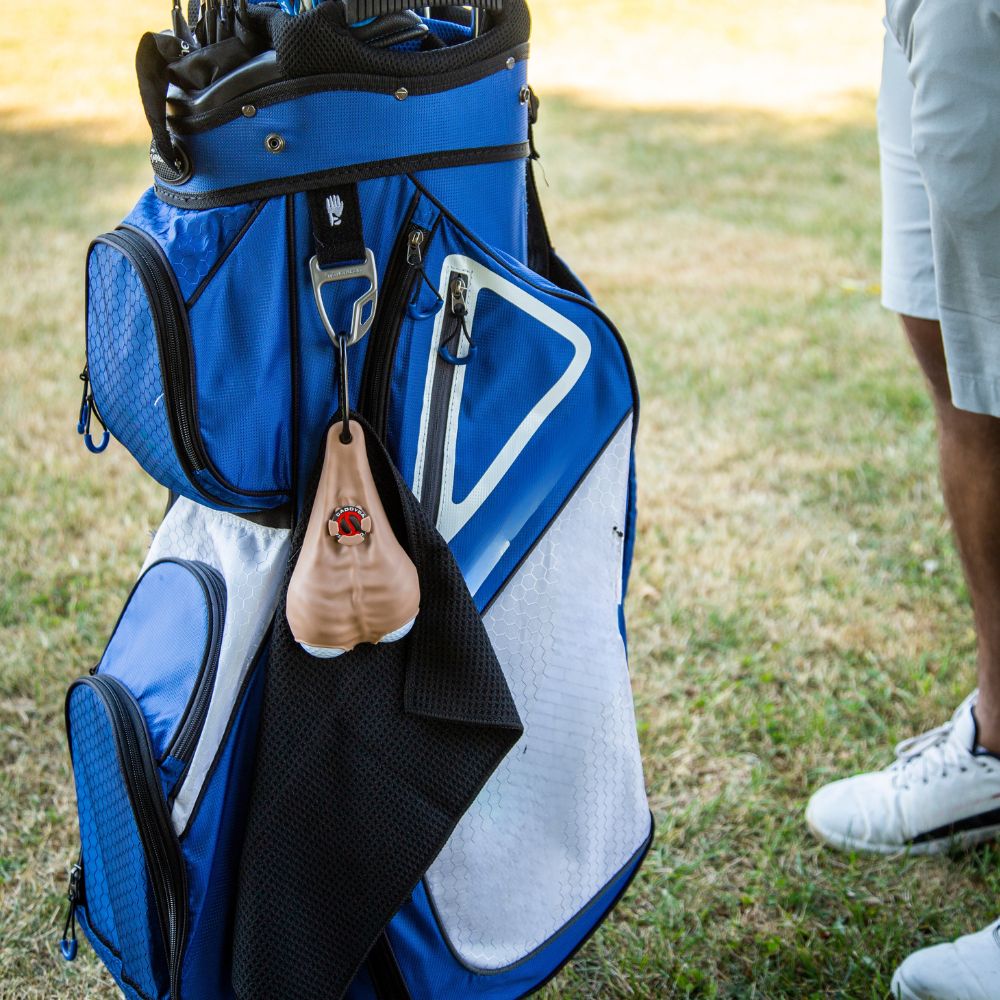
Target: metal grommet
(511,62)
(402,94)
(525,94)
(249,111)
(274,143)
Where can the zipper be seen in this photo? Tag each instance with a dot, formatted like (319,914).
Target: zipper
(68,944)
(160,846)
(404,268)
(454,334)
(183,744)
(175,350)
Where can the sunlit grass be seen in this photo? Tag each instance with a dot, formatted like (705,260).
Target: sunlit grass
(796,604)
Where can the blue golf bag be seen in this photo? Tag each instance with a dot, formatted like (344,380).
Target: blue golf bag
(354,180)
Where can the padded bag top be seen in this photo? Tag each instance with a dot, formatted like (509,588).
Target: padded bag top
(364,766)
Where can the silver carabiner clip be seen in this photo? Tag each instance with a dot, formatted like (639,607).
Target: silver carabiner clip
(360,325)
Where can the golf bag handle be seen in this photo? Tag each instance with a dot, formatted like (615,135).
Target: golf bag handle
(361,10)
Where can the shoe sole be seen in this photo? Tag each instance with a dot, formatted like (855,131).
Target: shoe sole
(955,842)
(900,991)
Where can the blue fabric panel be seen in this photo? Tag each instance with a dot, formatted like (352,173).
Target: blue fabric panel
(362,988)
(633,495)
(192,241)
(159,645)
(119,896)
(124,363)
(533,365)
(110,959)
(363,127)
(211,847)
(558,455)
(241,336)
(488,199)
(432,970)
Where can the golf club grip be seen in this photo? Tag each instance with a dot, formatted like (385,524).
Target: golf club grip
(362,10)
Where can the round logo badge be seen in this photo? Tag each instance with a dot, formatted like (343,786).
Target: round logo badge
(350,525)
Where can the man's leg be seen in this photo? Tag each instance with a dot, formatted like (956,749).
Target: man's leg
(970,477)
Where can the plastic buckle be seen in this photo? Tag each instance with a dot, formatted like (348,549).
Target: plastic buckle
(324,276)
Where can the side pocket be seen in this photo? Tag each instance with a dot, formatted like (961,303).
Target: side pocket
(133,876)
(502,401)
(161,739)
(159,363)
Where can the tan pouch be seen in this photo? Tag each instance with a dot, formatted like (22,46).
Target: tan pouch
(353,581)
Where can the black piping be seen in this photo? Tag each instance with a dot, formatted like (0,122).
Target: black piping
(291,254)
(286,90)
(105,943)
(351,174)
(214,269)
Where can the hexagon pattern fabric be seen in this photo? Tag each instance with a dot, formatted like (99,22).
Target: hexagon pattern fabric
(566,809)
(119,895)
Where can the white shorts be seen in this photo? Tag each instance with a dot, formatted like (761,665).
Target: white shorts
(939,137)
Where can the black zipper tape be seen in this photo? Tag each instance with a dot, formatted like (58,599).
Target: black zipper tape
(191,725)
(404,270)
(453,328)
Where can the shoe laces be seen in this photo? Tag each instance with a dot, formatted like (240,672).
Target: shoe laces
(930,755)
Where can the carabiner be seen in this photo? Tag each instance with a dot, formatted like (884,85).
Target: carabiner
(360,325)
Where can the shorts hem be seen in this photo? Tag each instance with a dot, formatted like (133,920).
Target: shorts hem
(911,299)
(975,393)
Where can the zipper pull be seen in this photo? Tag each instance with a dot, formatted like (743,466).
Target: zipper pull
(415,248)
(415,259)
(68,944)
(458,292)
(88,408)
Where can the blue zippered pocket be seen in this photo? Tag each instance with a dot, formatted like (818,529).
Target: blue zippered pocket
(188,350)
(132,727)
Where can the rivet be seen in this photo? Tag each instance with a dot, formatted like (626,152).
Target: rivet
(249,111)
(511,62)
(274,143)
(525,95)
(402,94)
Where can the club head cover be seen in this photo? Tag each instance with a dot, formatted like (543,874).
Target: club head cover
(353,582)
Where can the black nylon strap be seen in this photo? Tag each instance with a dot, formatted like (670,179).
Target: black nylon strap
(338,232)
(539,241)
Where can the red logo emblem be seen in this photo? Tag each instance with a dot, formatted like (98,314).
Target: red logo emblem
(350,525)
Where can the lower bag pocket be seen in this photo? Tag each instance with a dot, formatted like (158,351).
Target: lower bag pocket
(134,905)
(161,737)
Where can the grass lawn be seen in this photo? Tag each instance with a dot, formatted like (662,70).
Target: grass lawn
(796,605)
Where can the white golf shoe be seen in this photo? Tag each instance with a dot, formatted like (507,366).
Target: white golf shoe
(966,969)
(940,792)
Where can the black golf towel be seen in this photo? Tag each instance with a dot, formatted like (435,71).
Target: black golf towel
(365,763)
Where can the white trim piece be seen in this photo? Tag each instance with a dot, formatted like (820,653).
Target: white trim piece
(252,560)
(454,515)
(566,809)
